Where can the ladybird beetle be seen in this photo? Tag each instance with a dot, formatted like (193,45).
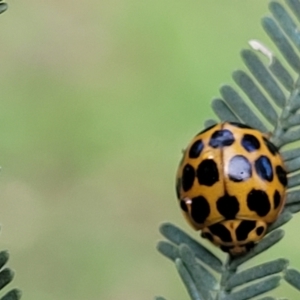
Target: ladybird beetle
(231,185)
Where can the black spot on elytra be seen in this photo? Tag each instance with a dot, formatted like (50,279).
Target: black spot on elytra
(221,231)
(239,168)
(260,230)
(228,206)
(188,176)
(250,142)
(264,168)
(240,125)
(183,206)
(221,138)
(276,199)
(196,149)
(178,186)
(244,229)
(226,248)
(272,148)
(207,235)
(281,174)
(207,172)
(206,129)
(258,201)
(200,209)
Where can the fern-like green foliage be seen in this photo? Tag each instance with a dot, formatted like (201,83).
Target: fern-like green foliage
(6,274)
(271,105)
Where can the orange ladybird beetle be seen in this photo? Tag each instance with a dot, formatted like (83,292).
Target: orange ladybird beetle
(231,185)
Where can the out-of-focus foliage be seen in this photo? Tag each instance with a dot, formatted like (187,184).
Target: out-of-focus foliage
(97,100)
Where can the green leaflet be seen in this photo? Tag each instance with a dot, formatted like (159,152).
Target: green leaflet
(264,77)
(294,181)
(14,294)
(285,216)
(292,276)
(286,22)
(254,289)
(3,7)
(168,250)
(269,86)
(223,111)
(281,74)
(294,103)
(178,237)
(292,165)
(282,43)
(4,256)
(295,7)
(209,123)
(6,276)
(294,208)
(293,197)
(187,280)
(240,108)
(290,154)
(257,272)
(256,96)
(204,280)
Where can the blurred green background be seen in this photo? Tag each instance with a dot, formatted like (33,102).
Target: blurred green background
(97,100)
